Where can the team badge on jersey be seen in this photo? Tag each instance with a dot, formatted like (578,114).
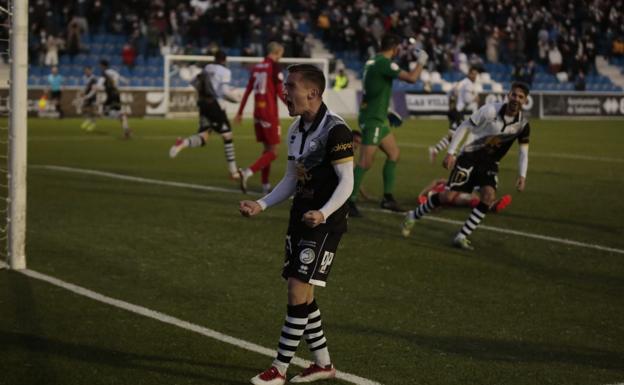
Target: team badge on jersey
(307,256)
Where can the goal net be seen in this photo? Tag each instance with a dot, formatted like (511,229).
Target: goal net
(179,97)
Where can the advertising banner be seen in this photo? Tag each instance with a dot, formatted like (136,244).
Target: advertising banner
(583,105)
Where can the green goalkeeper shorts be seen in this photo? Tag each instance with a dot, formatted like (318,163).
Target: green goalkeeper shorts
(373,132)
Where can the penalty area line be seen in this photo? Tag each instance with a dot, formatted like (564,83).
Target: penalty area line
(149,313)
(547,238)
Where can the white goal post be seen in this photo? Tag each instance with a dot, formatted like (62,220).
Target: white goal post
(16,162)
(172,70)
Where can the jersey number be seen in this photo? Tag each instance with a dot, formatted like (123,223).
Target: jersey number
(326,262)
(260,82)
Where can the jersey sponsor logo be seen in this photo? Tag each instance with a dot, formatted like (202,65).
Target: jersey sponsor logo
(342,147)
(307,243)
(302,173)
(307,256)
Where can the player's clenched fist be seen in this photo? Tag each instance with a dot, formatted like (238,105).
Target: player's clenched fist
(249,208)
(313,218)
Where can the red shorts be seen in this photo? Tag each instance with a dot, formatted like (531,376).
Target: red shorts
(267,132)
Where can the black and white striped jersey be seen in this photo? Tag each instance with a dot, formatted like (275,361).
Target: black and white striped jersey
(316,147)
(491,133)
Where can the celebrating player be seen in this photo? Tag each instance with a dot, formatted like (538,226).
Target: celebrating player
(266,82)
(379,74)
(112,106)
(493,129)
(212,86)
(320,175)
(463,100)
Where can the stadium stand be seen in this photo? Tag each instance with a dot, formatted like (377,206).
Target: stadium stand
(560,39)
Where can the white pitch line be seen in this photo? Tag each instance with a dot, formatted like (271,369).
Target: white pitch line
(564,241)
(141,180)
(149,313)
(89,138)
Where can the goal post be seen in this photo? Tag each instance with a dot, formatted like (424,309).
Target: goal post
(17,135)
(179,70)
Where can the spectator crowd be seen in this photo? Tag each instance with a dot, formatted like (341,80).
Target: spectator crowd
(563,36)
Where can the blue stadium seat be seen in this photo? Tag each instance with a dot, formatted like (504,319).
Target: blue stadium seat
(140,60)
(99,38)
(33,80)
(155,61)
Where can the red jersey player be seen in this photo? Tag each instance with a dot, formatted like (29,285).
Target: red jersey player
(266,82)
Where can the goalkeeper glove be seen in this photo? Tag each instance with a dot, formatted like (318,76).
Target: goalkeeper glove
(394,119)
(421,56)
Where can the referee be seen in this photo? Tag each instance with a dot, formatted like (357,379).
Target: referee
(320,175)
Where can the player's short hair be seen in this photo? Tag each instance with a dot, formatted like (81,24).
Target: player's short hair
(356,133)
(389,41)
(473,68)
(522,85)
(104,63)
(274,46)
(220,56)
(310,73)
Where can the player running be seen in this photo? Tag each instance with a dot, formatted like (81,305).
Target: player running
(379,73)
(212,86)
(88,99)
(492,130)
(266,82)
(109,81)
(463,100)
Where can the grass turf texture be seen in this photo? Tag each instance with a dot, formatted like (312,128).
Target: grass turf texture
(397,311)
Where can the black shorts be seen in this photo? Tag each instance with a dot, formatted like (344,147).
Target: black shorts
(309,254)
(55,95)
(212,117)
(455,119)
(469,173)
(88,102)
(112,103)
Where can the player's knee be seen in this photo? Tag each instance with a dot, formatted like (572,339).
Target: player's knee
(227,136)
(446,197)
(488,197)
(364,164)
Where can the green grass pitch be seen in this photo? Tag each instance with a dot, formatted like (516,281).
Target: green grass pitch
(517,310)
